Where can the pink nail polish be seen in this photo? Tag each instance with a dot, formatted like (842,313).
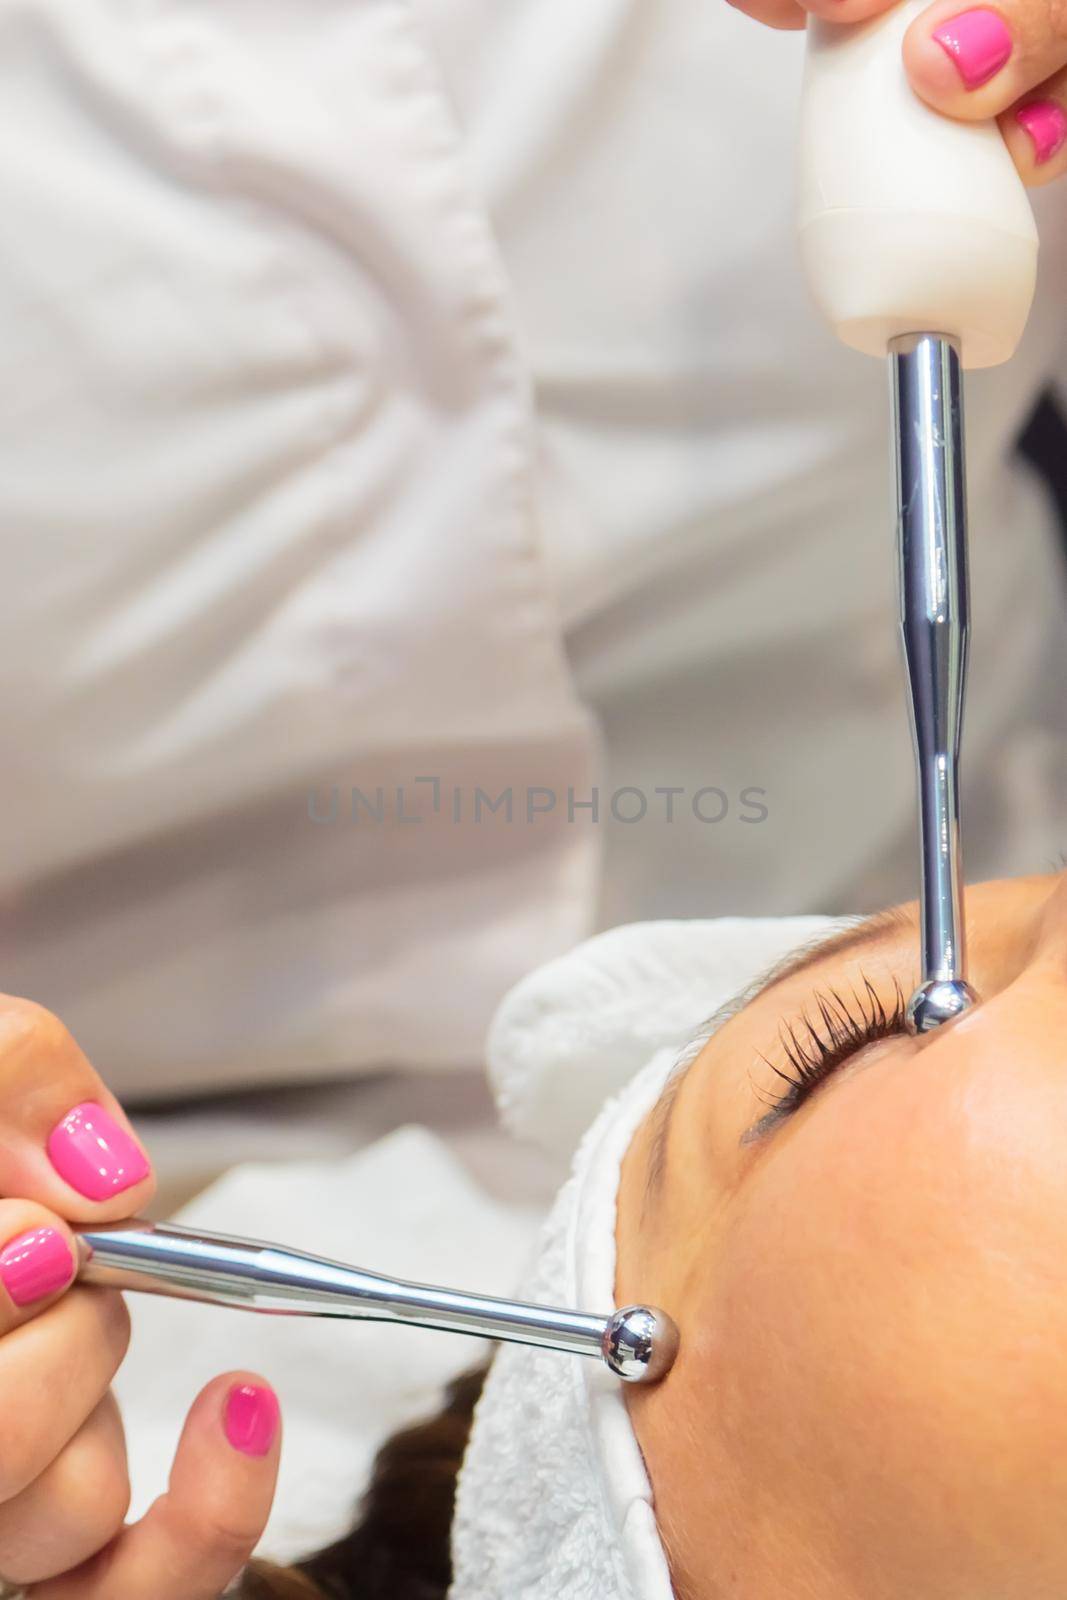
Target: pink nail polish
(1046,123)
(94,1155)
(35,1264)
(251,1418)
(978,42)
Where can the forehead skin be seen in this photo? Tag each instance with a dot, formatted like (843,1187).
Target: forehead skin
(870,1402)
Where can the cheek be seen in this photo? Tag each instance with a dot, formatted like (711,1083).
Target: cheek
(871,1399)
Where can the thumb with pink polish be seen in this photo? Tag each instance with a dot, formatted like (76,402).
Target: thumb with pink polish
(978,43)
(93,1153)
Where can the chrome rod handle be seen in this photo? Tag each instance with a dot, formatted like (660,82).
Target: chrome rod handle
(927,393)
(638,1343)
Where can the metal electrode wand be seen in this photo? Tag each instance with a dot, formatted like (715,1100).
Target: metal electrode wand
(637,1343)
(927,388)
(918,239)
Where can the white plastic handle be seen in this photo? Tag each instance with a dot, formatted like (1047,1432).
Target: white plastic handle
(909,222)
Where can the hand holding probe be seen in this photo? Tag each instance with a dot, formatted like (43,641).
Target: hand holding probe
(918,241)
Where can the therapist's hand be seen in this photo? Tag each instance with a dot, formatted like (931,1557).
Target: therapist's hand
(973,62)
(67,1154)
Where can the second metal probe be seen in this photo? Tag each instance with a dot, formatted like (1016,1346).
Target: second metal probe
(638,1343)
(927,392)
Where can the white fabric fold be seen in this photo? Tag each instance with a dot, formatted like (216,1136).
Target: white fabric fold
(554,1502)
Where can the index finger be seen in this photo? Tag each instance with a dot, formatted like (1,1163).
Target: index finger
(38,1261)
(64,1139)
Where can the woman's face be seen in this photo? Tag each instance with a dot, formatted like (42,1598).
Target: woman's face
(870,1276)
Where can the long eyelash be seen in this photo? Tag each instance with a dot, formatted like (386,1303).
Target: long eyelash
(814,1050)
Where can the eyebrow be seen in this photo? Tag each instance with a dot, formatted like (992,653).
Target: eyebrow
(845,942)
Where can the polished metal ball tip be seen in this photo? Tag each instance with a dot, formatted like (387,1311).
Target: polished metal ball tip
(936,1001)
(640,1344)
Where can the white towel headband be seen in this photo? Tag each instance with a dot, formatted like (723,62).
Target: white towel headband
(553,1501)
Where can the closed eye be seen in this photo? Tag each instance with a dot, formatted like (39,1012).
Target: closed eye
(812,1051)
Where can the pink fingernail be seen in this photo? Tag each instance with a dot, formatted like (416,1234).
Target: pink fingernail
(94,1155)
(251,1418)
(979,42)
(35,1264)
(1046,123)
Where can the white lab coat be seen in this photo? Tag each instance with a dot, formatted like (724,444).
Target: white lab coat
(410,390)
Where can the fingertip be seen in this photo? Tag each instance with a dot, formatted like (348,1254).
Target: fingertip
(1035,133)
(194,1539)
(36,1265)
(39,1260)
(96,1154)
(226,1465)
(954,55)
(241,1409)
(251,1416)
(66,1140)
